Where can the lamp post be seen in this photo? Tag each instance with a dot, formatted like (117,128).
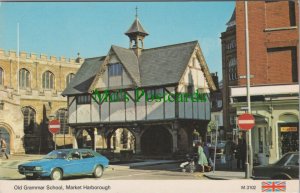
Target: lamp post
(249,157)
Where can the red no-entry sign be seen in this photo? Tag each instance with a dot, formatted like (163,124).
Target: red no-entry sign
(246,121)
(54,126)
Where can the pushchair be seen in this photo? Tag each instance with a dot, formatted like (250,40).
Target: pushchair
(190,164)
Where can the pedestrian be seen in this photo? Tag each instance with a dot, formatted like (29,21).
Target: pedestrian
(228,150)
(202,160)
(3,147)
(241,154)
(207,154)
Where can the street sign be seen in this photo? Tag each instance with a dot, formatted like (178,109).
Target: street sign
(54,126)
(246,121)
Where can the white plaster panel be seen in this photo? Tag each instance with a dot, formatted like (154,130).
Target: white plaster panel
(117,111)
(201,110)
(155,110)
(126,79)
(130,110)
(188,110)
(95,112)
(72,112)
(181,109)
(195,110)
(141,110)
(83,113)
(104,112)
(207,110)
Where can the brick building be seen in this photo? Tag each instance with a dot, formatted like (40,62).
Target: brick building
(273,44)
(37,98)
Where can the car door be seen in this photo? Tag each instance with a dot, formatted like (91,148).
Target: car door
(88,160)
(74,164)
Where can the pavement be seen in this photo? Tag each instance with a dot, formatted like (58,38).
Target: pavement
(225,175)
(219,174)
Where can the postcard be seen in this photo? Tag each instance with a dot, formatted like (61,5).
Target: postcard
(131,97)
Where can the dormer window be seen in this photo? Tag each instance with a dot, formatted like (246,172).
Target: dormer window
(115,70)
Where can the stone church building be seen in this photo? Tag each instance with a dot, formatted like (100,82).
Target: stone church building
(30,96)
(143,99)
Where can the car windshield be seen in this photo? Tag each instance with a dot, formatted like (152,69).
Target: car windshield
(56,154)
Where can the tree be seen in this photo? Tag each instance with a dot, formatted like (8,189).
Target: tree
(212,126)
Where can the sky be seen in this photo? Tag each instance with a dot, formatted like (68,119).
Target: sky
(64,29)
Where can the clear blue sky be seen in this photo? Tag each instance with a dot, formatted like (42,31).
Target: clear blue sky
(63,29)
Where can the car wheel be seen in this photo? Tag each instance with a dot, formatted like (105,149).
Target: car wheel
(56,174)
(98,172)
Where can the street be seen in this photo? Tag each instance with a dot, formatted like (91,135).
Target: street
(170,171)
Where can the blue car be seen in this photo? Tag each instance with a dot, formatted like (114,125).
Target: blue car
(65,162)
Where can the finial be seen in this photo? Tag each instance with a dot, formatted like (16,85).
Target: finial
(78,54)
(136,12)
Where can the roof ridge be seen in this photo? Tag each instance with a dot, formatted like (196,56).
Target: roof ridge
(172,45)
(121,47)
(94,57)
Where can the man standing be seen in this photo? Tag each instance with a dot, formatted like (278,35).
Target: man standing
(3,147)
(228,150)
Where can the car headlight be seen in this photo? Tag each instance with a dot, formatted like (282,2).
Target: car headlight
(20,167)
(38,168)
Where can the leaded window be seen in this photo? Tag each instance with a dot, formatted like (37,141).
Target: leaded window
(24,78)
(69,78)
(84,99)
(1,76)
(115,70)
(48,80)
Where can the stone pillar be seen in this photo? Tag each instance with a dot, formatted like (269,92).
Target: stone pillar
(95,139)
(137,134)
(76,133)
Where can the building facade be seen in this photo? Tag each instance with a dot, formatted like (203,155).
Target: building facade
(37,82)
(147,92)
(273,45)
(229,71)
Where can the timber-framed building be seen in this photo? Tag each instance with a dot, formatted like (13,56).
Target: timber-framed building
(156,126)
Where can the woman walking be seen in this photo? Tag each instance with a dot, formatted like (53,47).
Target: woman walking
(202,160)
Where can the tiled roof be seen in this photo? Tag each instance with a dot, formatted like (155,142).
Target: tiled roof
(155,67)
(165,65)
(84,76)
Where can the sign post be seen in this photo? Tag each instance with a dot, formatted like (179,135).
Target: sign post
(246,122)
(54,128)
(216,143)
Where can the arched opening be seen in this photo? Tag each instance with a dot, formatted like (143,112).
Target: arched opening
(122,139)
(4,134)
(30,140)
(84,139)
(156,141)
